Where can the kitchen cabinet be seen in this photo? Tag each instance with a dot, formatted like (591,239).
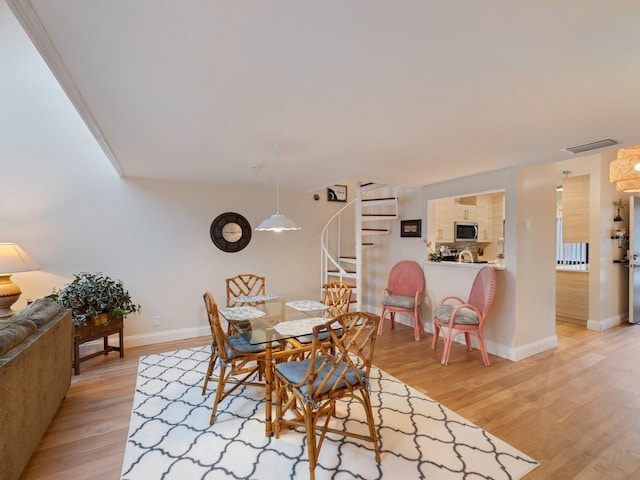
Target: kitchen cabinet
(464,213)
(449,211)
(444,220)
(484,217)
(487,210)
(572,296)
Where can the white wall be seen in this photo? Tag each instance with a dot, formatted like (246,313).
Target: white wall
(608,281)
(535,267)
(390,249)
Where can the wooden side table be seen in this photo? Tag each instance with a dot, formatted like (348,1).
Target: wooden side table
(102,326)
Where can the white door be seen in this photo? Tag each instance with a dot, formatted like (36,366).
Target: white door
(634,259)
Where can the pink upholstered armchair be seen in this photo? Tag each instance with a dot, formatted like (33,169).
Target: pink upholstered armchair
(404,294)
(455,315)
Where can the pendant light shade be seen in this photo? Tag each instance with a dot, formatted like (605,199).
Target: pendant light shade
(624,171)
(277,222)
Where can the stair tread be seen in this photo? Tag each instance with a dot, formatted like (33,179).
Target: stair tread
(378,203)
(376,199)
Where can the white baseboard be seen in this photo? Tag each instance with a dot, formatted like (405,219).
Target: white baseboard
(600,325)
(166,336)
(153,338)
(504,351)
(533,348)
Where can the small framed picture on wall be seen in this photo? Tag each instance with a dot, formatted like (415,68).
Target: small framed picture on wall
(410,228)
(337,193)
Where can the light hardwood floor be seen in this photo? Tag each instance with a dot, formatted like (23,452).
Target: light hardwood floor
(575,409)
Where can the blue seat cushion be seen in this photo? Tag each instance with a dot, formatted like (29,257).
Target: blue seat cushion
(305,339)
(464,316)
(240,324)
(295,372)
(240,343)
(399,301)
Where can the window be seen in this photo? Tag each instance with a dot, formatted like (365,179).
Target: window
(570,254)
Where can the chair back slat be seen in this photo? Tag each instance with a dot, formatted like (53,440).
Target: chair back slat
(244,285)
(337,295)
(343,360)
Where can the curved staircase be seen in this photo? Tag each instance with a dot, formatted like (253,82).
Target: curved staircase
(352,230)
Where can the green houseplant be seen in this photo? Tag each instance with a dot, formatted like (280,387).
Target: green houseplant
(91,294)
(619,204)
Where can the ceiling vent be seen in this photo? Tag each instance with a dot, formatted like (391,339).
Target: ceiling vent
(607,142)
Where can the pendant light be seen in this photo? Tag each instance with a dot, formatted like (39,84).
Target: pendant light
(565,174)
(277,222)
(624,171)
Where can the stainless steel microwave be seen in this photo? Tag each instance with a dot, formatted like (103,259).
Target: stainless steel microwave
(466,231)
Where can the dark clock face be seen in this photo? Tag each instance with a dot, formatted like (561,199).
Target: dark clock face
(230,232)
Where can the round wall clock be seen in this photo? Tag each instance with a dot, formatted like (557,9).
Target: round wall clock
(230,232)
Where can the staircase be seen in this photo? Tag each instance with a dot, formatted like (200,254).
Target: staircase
(353,229)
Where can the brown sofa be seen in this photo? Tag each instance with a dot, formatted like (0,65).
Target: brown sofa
(36,347)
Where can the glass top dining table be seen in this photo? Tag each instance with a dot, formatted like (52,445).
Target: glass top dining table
(272,320)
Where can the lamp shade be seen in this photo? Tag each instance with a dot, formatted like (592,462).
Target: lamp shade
(623,171)
(277,223)
(14,259)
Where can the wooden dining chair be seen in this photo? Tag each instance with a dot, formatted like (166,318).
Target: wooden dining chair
(307,390)
(243,285)
(455,315)
(237,359)
(337,295)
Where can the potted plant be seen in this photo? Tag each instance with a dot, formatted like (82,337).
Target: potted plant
(92,294)
(619,204)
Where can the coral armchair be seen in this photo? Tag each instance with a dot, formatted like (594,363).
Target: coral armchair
(404,293)
(455,315)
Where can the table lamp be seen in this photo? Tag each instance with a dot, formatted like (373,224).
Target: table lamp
(12,260)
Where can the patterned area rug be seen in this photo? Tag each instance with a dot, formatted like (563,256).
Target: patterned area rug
(170,436)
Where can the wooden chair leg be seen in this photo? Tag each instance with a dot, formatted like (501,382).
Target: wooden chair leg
(311,440)
(372,427)
(219,393)
(208,375)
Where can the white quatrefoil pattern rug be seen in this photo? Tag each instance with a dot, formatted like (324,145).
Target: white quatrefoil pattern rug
(170,436)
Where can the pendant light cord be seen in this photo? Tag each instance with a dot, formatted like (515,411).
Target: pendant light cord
(277,181)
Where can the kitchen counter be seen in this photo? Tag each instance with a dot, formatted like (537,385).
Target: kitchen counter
(475,265)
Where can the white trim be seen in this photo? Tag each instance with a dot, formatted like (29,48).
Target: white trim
(151,338)
(504,351)
(166,336)
(530,349)
(600,325)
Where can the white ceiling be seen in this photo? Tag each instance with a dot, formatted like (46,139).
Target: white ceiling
(407,92)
